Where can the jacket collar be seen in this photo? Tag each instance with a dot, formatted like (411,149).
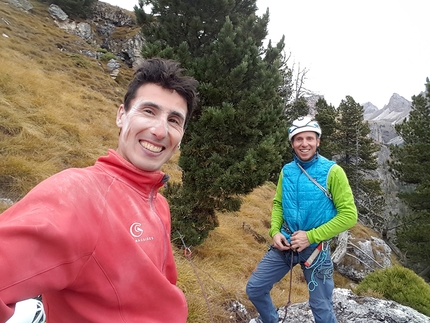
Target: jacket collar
(118,167)
(308,163)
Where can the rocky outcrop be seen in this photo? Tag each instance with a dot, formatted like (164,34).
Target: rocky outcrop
(81,29)
(350,308)
(24,5)
(101,31)
(356,257)
(105,13)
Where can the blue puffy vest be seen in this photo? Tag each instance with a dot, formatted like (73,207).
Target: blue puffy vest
(304,205)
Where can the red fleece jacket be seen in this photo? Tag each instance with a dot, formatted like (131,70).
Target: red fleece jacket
(95,242)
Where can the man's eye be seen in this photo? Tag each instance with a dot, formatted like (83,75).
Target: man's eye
(175,120)
(148,111)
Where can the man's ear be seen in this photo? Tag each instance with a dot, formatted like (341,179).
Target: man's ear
(119,114)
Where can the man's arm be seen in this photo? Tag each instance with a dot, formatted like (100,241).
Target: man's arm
(343,199)
(38,247)
(277,218)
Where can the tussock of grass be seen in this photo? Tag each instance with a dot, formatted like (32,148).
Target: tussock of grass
(359,231)
(172,168)
(399,284)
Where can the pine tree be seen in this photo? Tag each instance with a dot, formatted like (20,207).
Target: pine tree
(357,156)
(236,138)
(295,109)
(411,164)
(327,119)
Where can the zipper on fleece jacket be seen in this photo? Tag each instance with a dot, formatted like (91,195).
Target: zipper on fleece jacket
(152,195)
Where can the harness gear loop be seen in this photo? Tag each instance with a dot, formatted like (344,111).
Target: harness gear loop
(187,252)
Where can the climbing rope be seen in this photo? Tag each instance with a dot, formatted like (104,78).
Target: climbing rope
(291,286)
(321,258)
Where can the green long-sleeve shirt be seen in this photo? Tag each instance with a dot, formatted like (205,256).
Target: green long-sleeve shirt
(343,200)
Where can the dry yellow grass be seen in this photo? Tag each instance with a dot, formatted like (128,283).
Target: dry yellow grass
(57,108)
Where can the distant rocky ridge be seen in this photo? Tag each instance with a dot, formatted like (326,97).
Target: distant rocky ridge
(383,121)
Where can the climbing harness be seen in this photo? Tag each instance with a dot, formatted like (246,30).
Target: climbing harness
(314,254)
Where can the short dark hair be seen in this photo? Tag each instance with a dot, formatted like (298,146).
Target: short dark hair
(168,74)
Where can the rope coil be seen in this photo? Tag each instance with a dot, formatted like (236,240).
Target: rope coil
(321,258)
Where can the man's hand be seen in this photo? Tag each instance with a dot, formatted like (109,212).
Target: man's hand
(280,242)
(299,241)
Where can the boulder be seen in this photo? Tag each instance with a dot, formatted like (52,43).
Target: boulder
(350,308)
(356,257)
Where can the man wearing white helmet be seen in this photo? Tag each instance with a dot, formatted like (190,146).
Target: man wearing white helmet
(313,203)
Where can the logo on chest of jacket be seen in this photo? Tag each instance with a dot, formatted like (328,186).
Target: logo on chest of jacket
(136,232)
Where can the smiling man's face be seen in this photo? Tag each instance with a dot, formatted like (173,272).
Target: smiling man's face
(305,144)
(152,128)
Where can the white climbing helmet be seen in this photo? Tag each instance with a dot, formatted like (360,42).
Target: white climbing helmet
(28,311)
(302,124)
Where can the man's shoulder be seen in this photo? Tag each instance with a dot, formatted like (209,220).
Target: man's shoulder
(326,160)
(290,165)
(74,176)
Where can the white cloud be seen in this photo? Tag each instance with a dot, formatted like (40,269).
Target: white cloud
(368,49)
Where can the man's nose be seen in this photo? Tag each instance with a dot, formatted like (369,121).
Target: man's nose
(305,142)
(160,128)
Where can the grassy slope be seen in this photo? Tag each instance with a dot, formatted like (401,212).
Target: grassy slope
(57,110)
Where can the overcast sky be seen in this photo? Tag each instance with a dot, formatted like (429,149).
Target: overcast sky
(368,49)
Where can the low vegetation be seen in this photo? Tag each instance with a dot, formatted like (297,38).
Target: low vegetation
(399,284)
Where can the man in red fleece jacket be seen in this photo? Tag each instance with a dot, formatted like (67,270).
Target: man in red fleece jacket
(95,241)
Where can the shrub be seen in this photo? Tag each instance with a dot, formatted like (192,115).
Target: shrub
(399,284)
(107,57)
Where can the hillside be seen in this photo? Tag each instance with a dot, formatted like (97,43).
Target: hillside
(57,106)
(57,110)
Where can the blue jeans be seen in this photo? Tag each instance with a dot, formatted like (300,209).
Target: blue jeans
(275,265)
